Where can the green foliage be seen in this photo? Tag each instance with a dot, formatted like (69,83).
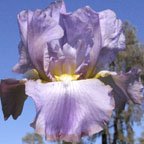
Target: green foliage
(134,52)
(32,138)
(141,139)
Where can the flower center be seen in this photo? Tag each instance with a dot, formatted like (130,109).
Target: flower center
(66,77)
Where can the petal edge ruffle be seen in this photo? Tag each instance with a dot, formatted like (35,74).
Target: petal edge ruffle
(67,111)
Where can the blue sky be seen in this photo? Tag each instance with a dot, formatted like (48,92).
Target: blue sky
(12,131)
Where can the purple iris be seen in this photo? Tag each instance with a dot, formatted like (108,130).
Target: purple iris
(62,55)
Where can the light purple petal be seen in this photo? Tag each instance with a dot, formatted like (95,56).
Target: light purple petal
(24,63)
(12,95)
(134,90)
(42,29)
(23,26)
(82,32)
(58,61)
(113,39)
(50,58)
(125,87)
(69,64)
(57,42)
(111,30)
(38,30)
(69,110)
(55,8)
(106,57)
(119,92)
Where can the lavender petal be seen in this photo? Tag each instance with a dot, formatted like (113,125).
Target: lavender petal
(24,63)
(113,39)
(69,110)
(126,87)
(83,33)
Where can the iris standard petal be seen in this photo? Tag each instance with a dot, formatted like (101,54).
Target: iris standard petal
(55,8)
(82,32)
(113,39)
(47,34)
(24,64)
(42,30)
(67,110)
(22,18)
(38,29)
(111,30)
(59,60)
(12,95)
(69,65)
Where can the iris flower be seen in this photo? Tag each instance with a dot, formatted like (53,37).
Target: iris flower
(62,56)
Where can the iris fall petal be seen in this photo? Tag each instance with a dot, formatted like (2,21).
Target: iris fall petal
(12,95)
(69,110)
(126,86)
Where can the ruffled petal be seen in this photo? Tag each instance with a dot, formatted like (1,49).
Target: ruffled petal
(69,110)
(69,65)
(24,63)
(111,30)
(113,39)
(105,58)
(42,29)
(12,94)
(38,30)
(23,26)
(82,32)
(55,8)
(55,42)
(135,92)
(59,61)
(126,87)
